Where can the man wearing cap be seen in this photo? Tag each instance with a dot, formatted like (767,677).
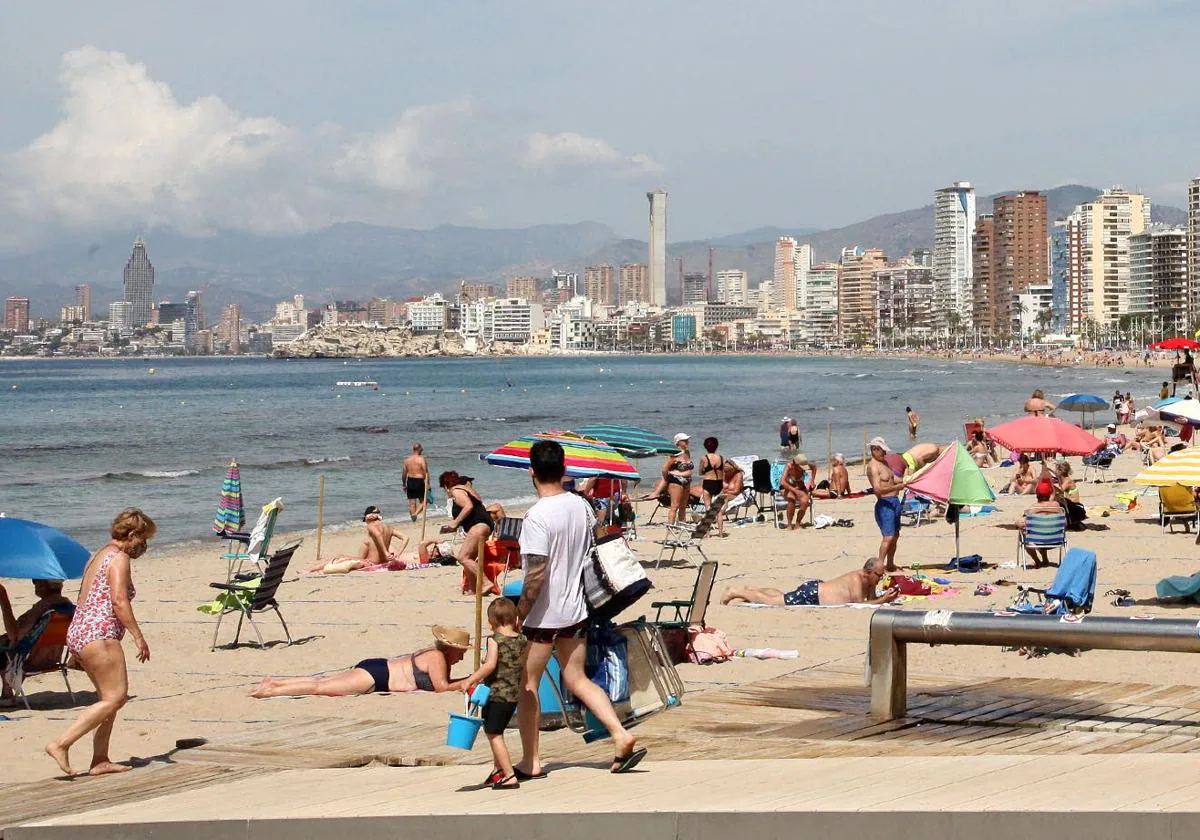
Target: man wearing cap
(887,489)
(796,489)
(1045,505)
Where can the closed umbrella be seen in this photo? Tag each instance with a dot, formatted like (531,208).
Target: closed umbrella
(33,550)
(1182,467)
(1046,435)
(630,441)
(585,457)
(230,514)
(953,479)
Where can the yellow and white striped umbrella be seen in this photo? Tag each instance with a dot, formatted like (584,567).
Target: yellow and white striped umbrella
(1182,467)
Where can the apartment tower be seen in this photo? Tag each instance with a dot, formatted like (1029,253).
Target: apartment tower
(985,310)
(634,284)
(1193,251)
(732,286)
(83,298)
(525,288)
(658,247)
(599,285)
(139,285)
(1020,257)
(856,294)
(1098,258)
(16,314)
(953,228)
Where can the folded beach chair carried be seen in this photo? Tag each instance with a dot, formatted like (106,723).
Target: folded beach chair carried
(1072,591)
(1177,503)
(255,545)
(49,633)
(255,596)
(1042,530)
(686,538)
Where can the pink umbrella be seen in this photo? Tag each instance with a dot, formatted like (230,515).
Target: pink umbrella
(1044,434)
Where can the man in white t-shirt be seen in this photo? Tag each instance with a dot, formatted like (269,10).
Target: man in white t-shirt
(555,539)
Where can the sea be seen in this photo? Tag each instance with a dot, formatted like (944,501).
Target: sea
(80,439)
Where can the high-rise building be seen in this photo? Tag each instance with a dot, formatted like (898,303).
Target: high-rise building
(139,284)
(169,313)
(1019,258)
(72,315)
(599,285)
(525,288)
(904,302)
(658,247)
(1158,278)
(695,288)
(953,227)
(819,300)
(985,305)
(120,316)
(230,331)
(856,294)
(1193,251)
(83,297)
(634,283)
(792,262)
(731,286)
(1060,273)
(16,314)
(476,291)
(1098,239)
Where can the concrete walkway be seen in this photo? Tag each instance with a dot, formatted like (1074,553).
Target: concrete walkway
(931,797)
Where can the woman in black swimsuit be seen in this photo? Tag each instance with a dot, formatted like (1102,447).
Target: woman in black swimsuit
(712,471)
(426,670)
(470,514)
(677,472)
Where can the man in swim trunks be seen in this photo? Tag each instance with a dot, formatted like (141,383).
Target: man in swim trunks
(887,501)
(857,587)
(415,474)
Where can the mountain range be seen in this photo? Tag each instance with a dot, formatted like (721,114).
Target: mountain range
(358,261)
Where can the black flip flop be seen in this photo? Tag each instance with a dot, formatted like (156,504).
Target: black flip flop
(522,776)
(627,763)
(503,784)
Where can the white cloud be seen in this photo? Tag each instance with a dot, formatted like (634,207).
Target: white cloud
(127,153)
(549,152)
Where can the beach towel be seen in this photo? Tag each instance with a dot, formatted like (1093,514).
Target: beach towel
(238,600)
(807,606)
(1179,586)
(777,474)
(976,510)
(708,645)
(1075,581)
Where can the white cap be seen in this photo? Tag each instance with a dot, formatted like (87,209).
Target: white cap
(682,436)
(785,419)
(880,442)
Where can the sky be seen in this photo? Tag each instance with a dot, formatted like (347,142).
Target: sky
(280,116)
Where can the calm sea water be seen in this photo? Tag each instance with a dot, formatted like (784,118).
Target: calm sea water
(80,439)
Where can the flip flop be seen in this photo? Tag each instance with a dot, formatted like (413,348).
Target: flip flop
(522,776)
(504,784)
(626,763)
(497,775)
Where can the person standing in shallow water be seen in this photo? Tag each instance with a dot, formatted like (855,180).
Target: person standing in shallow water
(103,614)
(415,474)
(914,420)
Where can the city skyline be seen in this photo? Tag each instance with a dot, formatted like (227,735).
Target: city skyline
(249,136)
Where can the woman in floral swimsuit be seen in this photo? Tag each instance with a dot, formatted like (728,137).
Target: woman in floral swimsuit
(104,613)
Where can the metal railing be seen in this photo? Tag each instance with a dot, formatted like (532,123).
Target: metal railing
(892,630)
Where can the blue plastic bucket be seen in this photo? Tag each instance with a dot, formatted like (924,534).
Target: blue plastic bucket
(462,731)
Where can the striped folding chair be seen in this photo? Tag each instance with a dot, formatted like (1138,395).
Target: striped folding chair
(1042,530)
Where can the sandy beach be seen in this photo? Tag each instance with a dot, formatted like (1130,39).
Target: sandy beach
(186,691)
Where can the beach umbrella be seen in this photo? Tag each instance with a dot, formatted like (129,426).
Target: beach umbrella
(630,441)
(1184,412)
(1083,403)
(1182,467)
(1165,402)
(33,550)
(1044,434)
(953,479)
(1178,343)
(586,457)
(230,515)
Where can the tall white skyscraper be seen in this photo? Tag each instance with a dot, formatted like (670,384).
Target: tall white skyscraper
(1193,250)
(1098,234)
(953,232)
(658,247)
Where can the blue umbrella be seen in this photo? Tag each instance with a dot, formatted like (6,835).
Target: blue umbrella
(1083,403)
(1166,402)
(32,550)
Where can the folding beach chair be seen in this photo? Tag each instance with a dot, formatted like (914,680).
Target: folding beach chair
(914,509)
(48,633)
(761,484)
(693,610)
(1098,464)
(1071,592)
(255,596)
(686,538)
(1177,504)
(256,544)
(1042,530)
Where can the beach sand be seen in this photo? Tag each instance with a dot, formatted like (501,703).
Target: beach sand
(186,691)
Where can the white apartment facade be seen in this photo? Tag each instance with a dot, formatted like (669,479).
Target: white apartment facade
(953,234)
(732,286)
(819,300)
(1098,235)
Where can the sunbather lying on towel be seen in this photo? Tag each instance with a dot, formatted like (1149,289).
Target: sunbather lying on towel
(851,588)
(425,670)
(437,552)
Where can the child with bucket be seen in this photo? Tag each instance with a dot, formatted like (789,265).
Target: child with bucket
(501,672)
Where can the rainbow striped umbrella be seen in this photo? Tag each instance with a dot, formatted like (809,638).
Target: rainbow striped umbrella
(586,457)
(230,515)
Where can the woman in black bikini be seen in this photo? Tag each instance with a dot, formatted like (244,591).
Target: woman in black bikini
(470,514)
(677,472)
(426,670)
(712,471)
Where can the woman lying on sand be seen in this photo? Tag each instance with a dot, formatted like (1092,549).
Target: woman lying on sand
(425,670)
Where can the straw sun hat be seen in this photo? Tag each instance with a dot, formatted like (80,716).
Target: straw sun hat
(454,637)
